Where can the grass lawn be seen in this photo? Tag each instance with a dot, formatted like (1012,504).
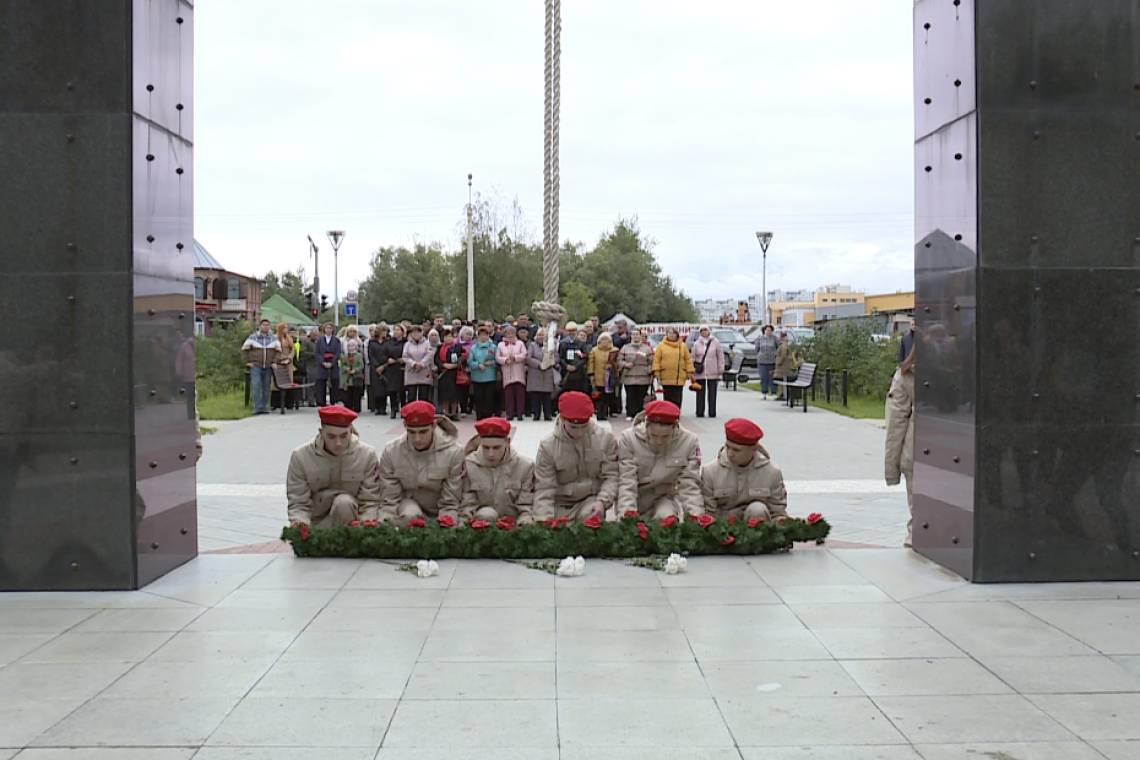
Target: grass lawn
(859,407)
(229,405)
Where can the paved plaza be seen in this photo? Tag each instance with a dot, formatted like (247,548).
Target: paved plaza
(837,653)
(832,465)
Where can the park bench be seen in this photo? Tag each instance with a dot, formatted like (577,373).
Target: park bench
(732,373)
(799,387)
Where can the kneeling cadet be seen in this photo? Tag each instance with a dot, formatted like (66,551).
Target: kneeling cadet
(498,481)
(743,481)
(660,465)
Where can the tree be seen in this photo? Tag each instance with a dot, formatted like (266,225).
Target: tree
(407,284)
(578,302)
(621,273)
(289,285)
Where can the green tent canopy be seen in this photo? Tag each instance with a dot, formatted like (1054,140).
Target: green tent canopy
(277,309)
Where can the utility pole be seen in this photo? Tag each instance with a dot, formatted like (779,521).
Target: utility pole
(316,269)
(470,258)
(336,237)
(765,239)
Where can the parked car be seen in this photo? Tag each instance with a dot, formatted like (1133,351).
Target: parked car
(733,341)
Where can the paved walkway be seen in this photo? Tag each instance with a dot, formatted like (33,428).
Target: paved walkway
(832,464)
(843,654)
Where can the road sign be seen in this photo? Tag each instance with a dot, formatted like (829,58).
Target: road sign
(350,310)
(350,296)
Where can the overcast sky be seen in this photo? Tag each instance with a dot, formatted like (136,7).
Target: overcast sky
(708,121)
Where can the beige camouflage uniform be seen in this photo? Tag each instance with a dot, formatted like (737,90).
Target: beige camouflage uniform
(425,484)
(655,483)
(756,490)
(494,491)
(325,490)
(570,475)
(899,454)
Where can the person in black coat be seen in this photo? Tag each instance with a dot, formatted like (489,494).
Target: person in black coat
(378,368)
(327,354)
(573,354)
(392,355)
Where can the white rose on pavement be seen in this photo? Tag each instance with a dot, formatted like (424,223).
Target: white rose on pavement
(571,567)
(426,568)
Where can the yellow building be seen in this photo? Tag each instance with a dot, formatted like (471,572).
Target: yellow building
(890,302)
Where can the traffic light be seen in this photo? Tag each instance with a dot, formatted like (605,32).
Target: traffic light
(309,301)
(324,302)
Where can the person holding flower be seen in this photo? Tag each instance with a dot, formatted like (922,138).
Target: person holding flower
(499,482)
(635,362)
(421,471)
(352,371)
(744,481)
(660,465)
(672,366)
(600,370)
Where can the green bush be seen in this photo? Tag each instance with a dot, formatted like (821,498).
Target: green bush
(218,358)
(852,346)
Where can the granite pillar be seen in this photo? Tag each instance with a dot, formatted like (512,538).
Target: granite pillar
(1027,217)
(97,487)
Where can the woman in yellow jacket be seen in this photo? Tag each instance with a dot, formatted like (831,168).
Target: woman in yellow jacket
(598,368)
(672,366)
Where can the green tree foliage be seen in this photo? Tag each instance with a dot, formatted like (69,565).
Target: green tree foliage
(852,346)
(578,302)
(218,358)
(290,285)
(620,273)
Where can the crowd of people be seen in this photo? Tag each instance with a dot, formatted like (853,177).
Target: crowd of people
(581,473)
(486,369)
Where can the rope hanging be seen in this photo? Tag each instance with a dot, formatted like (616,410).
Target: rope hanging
(550,169)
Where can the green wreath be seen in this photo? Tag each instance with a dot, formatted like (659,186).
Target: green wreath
(631,536)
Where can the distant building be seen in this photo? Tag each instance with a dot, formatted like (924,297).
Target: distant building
(222,296)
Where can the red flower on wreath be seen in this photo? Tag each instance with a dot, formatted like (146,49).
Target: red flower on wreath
(692,517)
(669,521)
(419,522)
(705,521)
(480,524)
(814,517)
(446,521)
(561,520)
(552,524)
(506,523)
(594,522)
(780,521)
(304,532)
(728,541)
(732,519)
(629,513)
(754,521)
(642,530)
(354,524)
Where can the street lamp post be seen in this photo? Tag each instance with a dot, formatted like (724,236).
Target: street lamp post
(336,237)
(764,238)
(316,270)
(470,258)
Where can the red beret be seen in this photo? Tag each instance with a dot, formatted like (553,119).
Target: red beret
(662,411)
(575,406)
(493,427)
(742,431)
(337,416)
(418,414)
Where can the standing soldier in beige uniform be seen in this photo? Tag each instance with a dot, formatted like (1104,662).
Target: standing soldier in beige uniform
(498,481)
(660,465)
(576,470)
(899,454)
(743,482)
(335,478)
(421,471)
